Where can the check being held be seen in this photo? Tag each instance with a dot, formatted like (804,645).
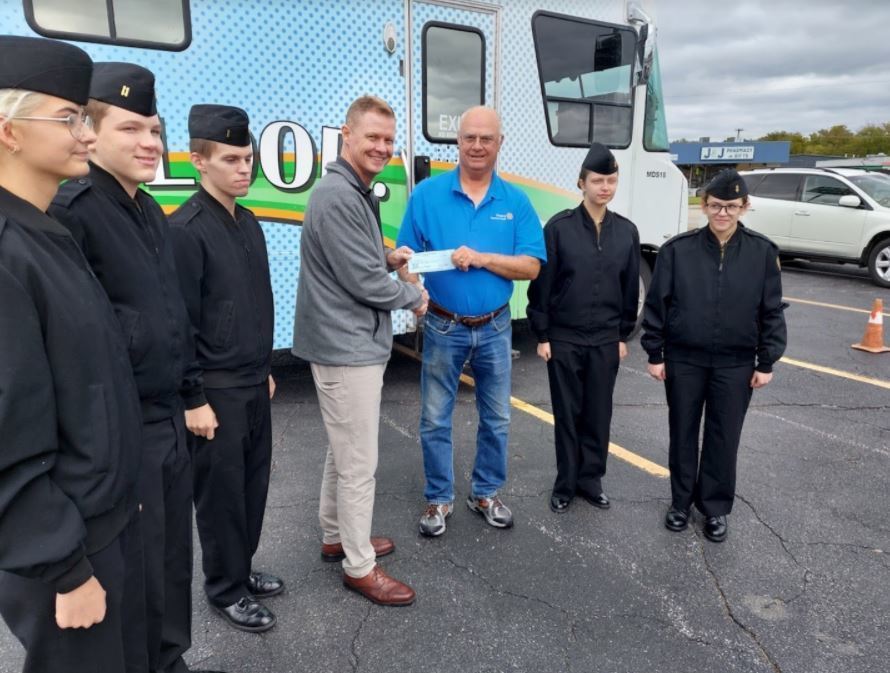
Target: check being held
(427,262)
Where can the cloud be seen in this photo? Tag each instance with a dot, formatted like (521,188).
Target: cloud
(795,65)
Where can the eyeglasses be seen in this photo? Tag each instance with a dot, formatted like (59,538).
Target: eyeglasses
(78,123)
(731,208)
(485,141)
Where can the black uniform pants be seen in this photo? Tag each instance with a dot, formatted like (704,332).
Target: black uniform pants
(231,479)
(165,493)
(582,379)
(723,393)
(29,606)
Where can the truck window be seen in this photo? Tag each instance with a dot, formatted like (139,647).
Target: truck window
(655,133)
(585,70)
(453,77)
(159,24)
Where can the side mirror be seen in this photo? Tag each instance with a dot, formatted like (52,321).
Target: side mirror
(849,201)
(645,41)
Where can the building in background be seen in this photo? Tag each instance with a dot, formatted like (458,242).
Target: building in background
(700,161)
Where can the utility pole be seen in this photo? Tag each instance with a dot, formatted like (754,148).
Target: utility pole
(738,135)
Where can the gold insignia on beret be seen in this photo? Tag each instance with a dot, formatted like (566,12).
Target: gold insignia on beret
(125,90)
(736,189)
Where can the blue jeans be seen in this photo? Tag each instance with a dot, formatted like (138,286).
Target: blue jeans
(446,346)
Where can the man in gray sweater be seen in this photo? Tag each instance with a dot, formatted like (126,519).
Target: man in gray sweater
(343,328)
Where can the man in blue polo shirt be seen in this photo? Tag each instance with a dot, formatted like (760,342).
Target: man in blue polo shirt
(497,238)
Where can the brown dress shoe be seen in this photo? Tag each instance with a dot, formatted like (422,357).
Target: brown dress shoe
(334,552)
(380,588)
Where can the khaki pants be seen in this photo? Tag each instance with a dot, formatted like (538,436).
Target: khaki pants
(349,398)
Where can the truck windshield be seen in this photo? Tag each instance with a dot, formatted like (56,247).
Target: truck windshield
(585,72)
(876,186)
(655,134)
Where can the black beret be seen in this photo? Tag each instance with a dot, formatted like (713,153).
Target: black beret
(45,66)
(125,85)
(600,160)
(220,123)
(727,185)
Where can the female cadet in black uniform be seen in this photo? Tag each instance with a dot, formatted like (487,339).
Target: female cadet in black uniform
(582,308)
(69,411)
(714,325)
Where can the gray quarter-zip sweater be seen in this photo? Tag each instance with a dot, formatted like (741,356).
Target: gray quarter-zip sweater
(344,290)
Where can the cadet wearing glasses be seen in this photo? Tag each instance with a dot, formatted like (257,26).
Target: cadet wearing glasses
(714,325)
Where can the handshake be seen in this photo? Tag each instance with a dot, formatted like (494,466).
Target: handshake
(397,260)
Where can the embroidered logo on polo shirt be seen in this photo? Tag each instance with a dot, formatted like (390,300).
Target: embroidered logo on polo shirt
(502,217)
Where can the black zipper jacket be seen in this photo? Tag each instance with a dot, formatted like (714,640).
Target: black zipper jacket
(126,243)
(70,424)
(588,292)
(223,272)
(716,306)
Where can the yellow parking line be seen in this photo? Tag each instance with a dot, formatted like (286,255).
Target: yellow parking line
(618,451)
(880,383)
(839,307)
(635,459)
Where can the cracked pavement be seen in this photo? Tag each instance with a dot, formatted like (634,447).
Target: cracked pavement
(800,586)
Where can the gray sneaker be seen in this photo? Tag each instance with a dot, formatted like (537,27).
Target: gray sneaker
(496,513)
(432,521)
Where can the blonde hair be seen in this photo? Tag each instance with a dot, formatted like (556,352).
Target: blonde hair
(202,146)
(367,103)
(18,102)
(97,110)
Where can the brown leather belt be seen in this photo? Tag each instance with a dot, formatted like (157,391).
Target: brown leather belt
(467,320)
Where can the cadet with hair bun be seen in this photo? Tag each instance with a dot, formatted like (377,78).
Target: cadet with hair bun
(69,412)
(582,308)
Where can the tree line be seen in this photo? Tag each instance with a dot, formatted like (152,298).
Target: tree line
(838,140)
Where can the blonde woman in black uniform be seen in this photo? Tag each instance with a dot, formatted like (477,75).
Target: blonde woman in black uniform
(69,412)
(583,308)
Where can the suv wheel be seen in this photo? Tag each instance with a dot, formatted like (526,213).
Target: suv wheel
(879,263)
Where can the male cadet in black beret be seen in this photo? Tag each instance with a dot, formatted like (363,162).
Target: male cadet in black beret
(224,275)
(583,308)
(124,235)
(69,410)
(714,325)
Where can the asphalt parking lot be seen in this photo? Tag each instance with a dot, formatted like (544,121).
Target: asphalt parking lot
(800,586)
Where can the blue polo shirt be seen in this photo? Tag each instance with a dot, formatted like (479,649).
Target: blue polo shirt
(440,216)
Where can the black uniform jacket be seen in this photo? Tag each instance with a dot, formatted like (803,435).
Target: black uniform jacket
(588,292)
(224,275)
(70,425)
(127,244)
(713,307)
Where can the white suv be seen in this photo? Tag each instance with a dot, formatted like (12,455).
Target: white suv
(824,214)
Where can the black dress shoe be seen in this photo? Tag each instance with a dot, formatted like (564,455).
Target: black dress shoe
(558,504)
(600,501)
(716,528)
(248,615)
(676,520)
(263,585)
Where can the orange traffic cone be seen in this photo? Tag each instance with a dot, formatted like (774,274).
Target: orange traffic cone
(873,340)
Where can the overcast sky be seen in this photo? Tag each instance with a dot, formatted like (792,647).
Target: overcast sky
(769,65)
